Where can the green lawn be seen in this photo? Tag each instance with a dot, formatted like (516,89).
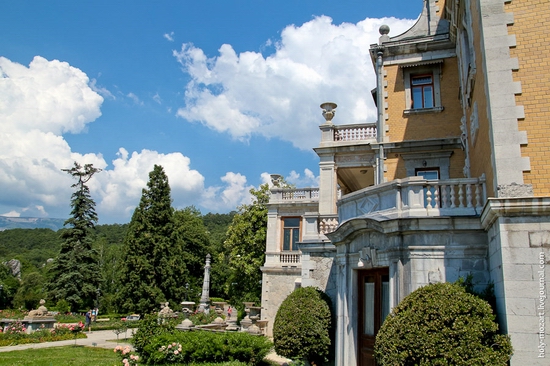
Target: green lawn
(57,356)
(78,356)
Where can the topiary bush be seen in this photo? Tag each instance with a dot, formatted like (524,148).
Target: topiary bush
(303,326)
(441,324)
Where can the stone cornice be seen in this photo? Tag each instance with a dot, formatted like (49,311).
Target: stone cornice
(496,208)
(282,270)
(354,227)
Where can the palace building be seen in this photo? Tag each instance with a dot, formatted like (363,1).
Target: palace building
(450,181)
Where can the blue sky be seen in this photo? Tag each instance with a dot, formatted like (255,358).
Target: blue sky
(220,93)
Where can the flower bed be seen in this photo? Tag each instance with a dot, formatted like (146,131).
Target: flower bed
(15,334)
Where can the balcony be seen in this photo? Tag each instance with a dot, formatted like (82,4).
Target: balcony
(287,195)
(283,259)
(362,132)
(334,135)
(416,197)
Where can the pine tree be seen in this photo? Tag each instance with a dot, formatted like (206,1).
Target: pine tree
(75,274)
(152,268)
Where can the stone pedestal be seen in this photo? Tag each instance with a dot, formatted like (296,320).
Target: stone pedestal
(187,308)
(40,318)
(246,322)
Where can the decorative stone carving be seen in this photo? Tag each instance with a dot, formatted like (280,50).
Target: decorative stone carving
(39,318)
(367,258)
(165,311)
(515,190)
(368,205)
(42,311)
(329,110)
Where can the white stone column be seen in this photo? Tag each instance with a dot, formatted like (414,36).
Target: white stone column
(327,185)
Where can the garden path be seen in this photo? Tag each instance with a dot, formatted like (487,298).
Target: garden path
(99,338)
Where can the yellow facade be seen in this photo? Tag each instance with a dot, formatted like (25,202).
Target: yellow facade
(530,28)
(428,125)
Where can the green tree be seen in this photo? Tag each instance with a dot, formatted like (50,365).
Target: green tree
(217,226)
(246,244)
(441,324)
(303,326)
(152,266)
(108,242)
(30,292)
(8,287)
(193,238)
(75,274)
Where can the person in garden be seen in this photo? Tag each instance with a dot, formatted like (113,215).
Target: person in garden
(88,322)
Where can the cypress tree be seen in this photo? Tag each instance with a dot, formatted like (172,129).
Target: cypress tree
(152,268)
(75,274)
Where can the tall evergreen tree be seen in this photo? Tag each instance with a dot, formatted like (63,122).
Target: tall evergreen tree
(152,269)
(75,274)
(246,241)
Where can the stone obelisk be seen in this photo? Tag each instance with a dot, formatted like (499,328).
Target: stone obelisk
(204,304)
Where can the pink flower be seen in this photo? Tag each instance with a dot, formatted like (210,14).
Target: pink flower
(176,352)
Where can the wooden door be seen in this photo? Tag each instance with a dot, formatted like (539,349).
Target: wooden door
(374,306)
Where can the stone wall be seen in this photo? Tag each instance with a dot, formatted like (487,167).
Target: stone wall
(277,284)
(519,260)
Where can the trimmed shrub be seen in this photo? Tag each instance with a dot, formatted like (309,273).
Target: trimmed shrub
(204,346)
(303,326)
(441,324)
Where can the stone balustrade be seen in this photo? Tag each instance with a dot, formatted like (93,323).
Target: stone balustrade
(283,258)
(281,195)
(359,132)
(416,197)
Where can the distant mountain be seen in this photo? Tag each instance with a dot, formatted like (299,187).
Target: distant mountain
(30,223)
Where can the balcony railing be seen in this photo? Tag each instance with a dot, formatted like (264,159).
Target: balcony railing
(280,195)
(416,197)
(355,132)
(283,258)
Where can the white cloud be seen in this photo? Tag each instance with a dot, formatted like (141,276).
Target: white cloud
(279,95)
(39,103)
(296,179)
(12,214)
(169,36)
(120,188)
(307,180)
(38,97)
(135,98)
(224,198)
(104,92)
(43,101)
(157,98)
